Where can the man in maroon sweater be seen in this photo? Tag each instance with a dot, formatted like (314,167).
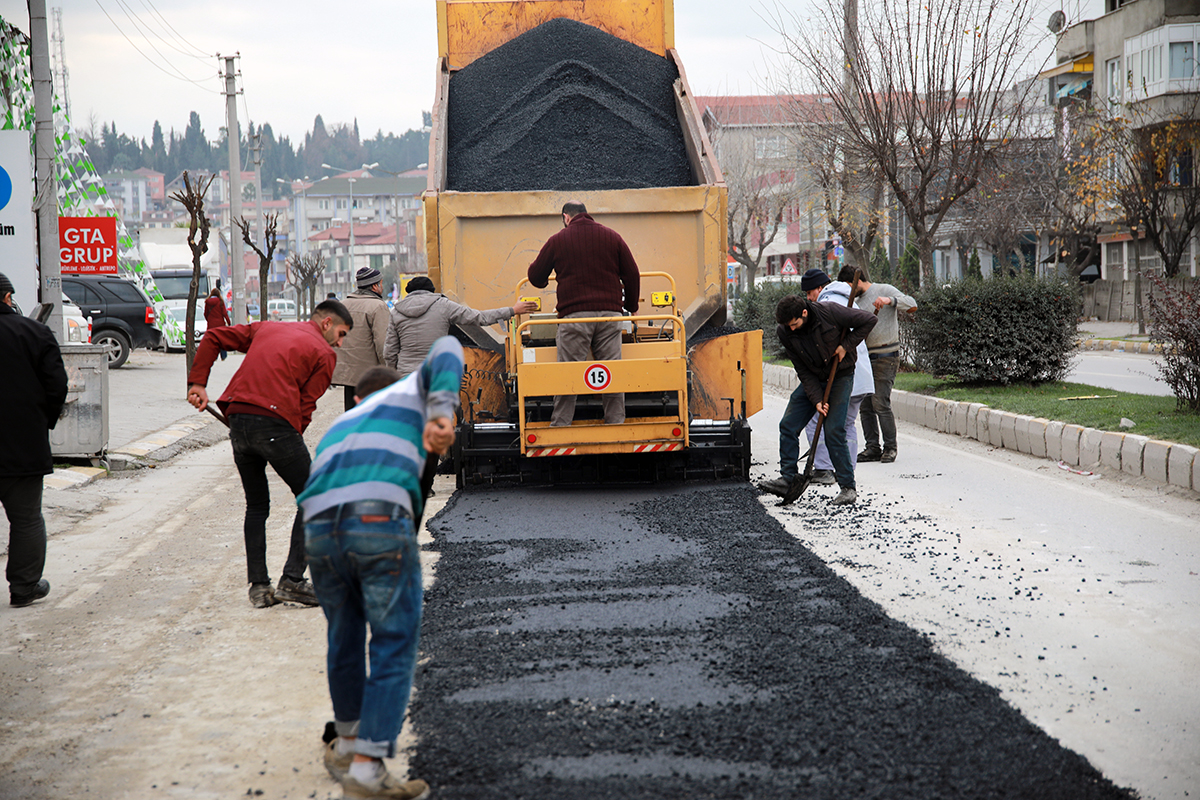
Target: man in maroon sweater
(269,402)
(597,277)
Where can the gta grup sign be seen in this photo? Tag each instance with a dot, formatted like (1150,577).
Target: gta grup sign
(87,245)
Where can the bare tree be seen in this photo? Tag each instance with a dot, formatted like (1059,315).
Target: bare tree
(304,272)
(191,197)
(760,192)
(271,241)
(920,90)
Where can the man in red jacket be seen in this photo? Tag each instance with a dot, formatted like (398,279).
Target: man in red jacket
(597,277)
(269,403)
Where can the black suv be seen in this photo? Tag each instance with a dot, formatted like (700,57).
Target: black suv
(122,315)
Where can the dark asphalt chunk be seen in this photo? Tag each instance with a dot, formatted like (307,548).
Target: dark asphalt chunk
(678,643)
(565,107)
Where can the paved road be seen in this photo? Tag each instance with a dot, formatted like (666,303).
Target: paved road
(1078,597)
(1124,372)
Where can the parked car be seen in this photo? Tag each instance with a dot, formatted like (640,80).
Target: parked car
(281,310)
(122,315)
(180,315)
(77,329)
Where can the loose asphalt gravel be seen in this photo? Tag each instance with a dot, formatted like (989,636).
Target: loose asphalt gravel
(564,107)
(663,642)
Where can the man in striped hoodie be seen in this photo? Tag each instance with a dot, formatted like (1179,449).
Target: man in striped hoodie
(363,494)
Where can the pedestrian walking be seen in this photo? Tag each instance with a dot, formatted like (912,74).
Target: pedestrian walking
(363,347)
(35,391)
(883,347)
(816,336)
(215,313)
(596,276)
(269,403)
(838,292)
(359,505)
(423,316)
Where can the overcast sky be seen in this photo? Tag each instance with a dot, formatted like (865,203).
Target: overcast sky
(134,61)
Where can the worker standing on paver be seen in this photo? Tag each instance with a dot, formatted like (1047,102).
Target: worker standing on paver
(883,348)
(35,390)
(269,402)
(364,346)
(596,277)
(360,504)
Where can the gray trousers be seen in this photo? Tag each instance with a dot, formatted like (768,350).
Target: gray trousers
(876,414)
(585,341)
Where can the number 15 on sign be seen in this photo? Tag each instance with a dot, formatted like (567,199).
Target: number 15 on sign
(597,377)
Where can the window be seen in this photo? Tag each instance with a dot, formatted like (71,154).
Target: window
(1114,258)
(1181,169)
(124,290)
(770,147)
(340,204)
(323,205)
(1183,59)
(1113,73)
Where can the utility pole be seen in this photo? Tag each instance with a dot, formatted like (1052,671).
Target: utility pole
(259,231)
(237,266)
(46,204)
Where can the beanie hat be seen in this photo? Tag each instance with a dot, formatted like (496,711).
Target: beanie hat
(5,285)
(419,284)
(367,277)
(814,279)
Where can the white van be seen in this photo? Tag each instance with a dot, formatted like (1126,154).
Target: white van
(281,310)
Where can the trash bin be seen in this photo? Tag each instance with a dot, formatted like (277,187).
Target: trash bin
(82,430)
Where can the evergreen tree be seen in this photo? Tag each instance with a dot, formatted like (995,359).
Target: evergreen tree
(881,265)
(909,271)
(974,267)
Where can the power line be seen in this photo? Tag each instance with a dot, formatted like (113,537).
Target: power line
(171,28)
(142,28)
(177,75)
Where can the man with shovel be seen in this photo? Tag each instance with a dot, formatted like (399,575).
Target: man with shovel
(820,339)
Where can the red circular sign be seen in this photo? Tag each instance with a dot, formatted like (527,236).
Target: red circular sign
(597,377)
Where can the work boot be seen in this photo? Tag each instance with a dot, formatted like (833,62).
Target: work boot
(845,497)
(888,455)
(776,486)
(337,764)
(296,591)
(262,595)
(823,477)
(39,590)
(870,454)
(385,787)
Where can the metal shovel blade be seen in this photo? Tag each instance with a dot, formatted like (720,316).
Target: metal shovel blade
(797,488)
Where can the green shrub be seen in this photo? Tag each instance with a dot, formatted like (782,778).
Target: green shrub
(881,267)
(908,271)
(755,309)
(1004,330)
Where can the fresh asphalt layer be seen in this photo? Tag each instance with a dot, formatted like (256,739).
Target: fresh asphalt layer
(659,642)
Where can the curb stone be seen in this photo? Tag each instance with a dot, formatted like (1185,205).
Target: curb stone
(1168,463)
(129,456)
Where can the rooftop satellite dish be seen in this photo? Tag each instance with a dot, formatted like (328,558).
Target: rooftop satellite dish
(1057,20)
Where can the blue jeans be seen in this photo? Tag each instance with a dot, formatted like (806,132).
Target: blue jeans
(258,441)
(797,414)
(368,573)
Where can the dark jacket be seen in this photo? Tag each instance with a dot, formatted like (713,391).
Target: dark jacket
(811,348)
(35,390)
(593,267)
(288,366)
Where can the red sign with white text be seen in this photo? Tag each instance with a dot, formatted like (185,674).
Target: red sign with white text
(87,245)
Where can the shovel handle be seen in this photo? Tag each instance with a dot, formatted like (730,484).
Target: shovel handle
(209,408)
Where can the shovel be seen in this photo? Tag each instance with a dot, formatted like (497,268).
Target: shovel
(805,478)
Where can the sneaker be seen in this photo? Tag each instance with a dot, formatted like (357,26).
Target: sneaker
(776,486)
(388,787)
(296,591)
(337,764)
(845,497)
(870,454)
(823,477)
(40,590)
(888,455)
(262,595)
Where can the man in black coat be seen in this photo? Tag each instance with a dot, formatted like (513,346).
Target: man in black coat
(814,335)
(36,388)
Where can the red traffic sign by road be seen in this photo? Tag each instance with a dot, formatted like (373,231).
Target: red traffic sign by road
(597,377)
(87,245)
(789,268)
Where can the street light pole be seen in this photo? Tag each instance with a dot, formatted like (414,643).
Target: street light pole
(351,210)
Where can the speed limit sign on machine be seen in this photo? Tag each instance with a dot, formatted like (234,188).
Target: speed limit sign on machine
(597,377)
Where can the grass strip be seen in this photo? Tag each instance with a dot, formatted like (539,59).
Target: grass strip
(1155,417)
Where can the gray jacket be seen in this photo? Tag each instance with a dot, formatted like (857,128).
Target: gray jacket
(420,319)
(363,346)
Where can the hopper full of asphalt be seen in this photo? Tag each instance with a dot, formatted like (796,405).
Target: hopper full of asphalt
(564,107)
(660,643)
